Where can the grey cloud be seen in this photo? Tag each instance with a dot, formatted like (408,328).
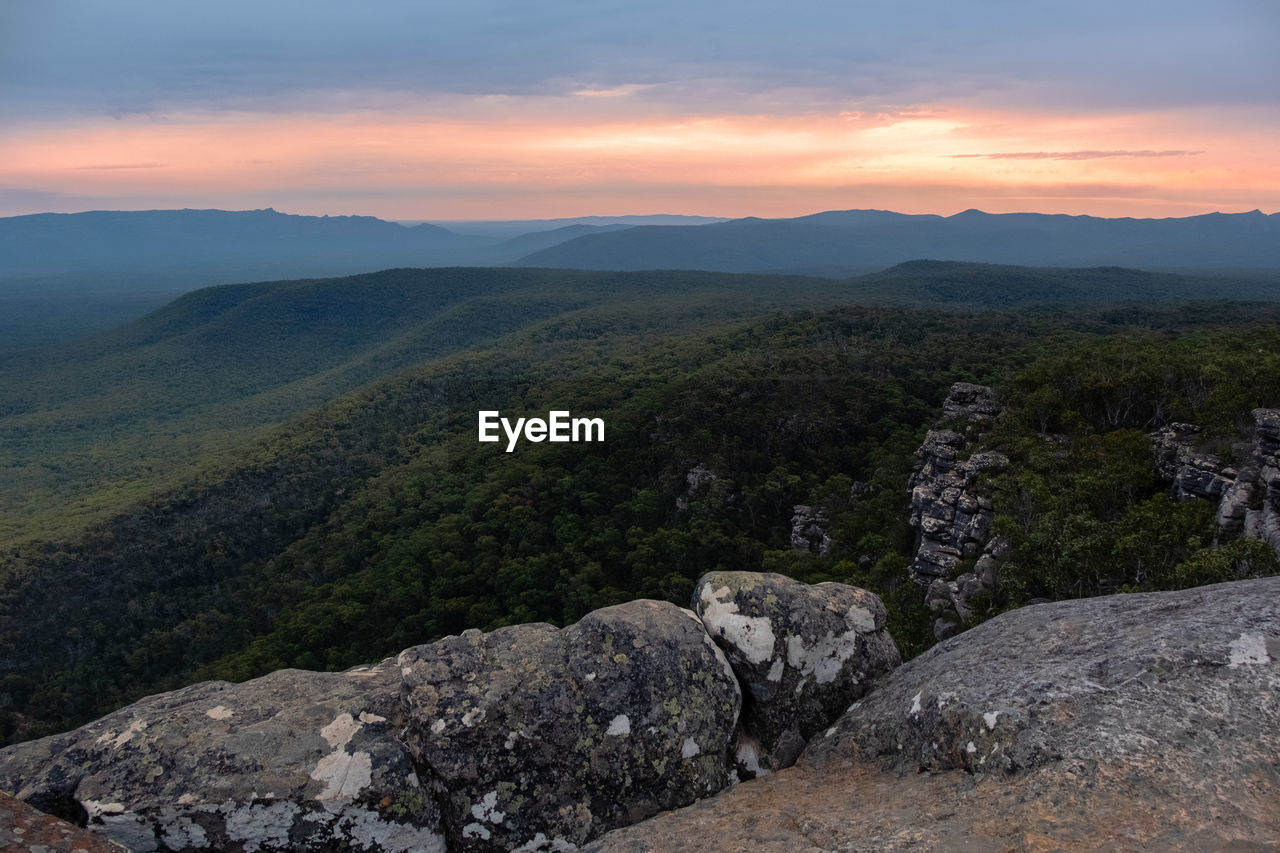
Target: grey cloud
(60,57)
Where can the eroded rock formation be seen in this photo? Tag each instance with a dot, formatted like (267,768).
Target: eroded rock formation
(952,515)
(809,530)
(1247,496)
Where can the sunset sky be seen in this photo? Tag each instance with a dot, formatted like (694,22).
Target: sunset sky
(484,109)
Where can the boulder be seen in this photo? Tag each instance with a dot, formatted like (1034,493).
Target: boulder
(1148,721)
(290,761)
(542,738)
(802,654)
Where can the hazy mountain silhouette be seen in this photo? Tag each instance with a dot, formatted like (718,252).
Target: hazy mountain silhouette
(854,241)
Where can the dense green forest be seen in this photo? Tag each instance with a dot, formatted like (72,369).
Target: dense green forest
(377,521)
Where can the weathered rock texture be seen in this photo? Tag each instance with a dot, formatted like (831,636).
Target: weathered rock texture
(293,760)
(552,736)
(802,654)
(529,737)
(951,513)
(27,830)
(1128,722)
(1248,497)
(808,530)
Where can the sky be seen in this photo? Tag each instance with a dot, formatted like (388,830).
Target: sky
(496,109)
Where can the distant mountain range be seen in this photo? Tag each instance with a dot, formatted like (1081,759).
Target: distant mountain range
(850,242)
(62,275)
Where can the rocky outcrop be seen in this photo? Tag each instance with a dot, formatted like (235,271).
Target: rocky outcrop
(976,404)
(802,654)
(1248,496)
(808,530)
(1193,474)
(295,759)
(538,736)
(951,514)
(1146,721)
(529,737)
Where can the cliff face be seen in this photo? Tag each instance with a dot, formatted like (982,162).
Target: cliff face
(529,737)
(1247,495)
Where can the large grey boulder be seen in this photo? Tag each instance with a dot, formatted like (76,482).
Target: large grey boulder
(291,761)
(802,653)
(1131,722)
(544,738)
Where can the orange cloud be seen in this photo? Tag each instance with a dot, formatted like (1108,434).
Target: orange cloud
(511,157)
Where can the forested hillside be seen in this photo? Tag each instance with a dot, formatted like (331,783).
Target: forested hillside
(378,521)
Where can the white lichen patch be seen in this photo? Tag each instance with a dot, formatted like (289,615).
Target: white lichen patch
(861,619)
(971,749)
(366,717)
(1247,650)
(990,718)
(184,834)
(751,635)
(261,826)
(371,832)
(437,727)
(475,830)
(344,775)
(96,809)
(690,748)
(219,712)
(775,671)
(620,726)
(127,735)
(339,733)
(825,658)
(487,809)
(591,676)
(915,703)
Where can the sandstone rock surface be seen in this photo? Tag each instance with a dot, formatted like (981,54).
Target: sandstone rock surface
(802,654)
(1128,722)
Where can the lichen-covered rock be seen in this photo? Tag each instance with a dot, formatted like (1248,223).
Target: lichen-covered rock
(808,530)
(544,738)
(1184,680)
(291,761)
(802,654)
(1133,722)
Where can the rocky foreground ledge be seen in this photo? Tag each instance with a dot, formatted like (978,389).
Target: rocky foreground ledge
(1130,722)
(527,738)
(1145,721)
